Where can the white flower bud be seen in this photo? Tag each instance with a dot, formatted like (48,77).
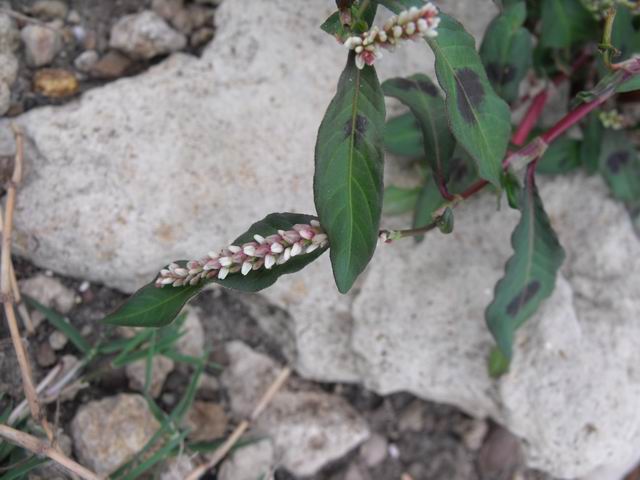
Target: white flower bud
(246,268)
(269,261)
(397,31)
(277,248)
(234,249)
(296,249)
(222,273)
(410,28)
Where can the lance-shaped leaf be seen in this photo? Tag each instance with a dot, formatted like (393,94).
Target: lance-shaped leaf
(592,133)
(620,166)
(562,156)
(347,183)
(399,200)
(155,307)
(423,98)
(565,22)
(506,51)
(403,136)
(530,273)
(480,120)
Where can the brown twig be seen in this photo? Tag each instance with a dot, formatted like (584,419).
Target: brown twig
(226,447)
(40,448)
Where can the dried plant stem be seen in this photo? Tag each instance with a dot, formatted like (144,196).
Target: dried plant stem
(226,447)
(40,448)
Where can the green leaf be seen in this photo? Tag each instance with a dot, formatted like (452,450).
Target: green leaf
(620,166)
(566,22)
(506,51)
(347,183)
(498,363)
(630,85)
(461,175)
(155,307)
(445,221)
(624,36)
(423,98)
(592,132)
(562,156)
(399,200)
(530,273)
(61,323)
(403,136)
(479,119)
(333,26)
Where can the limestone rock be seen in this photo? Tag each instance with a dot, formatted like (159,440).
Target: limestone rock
(107,433)
(161,368)
(50,9)
(5,98)
(9,34)
(145,35)
(41,44)
(249,463)
(309,428)
(192,341)
(8,68)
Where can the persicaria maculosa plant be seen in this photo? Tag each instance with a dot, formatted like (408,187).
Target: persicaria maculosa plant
(459,130)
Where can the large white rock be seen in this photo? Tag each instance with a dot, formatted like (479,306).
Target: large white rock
(181,159)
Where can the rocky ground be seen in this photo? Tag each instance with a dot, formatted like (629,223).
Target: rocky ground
(93,224)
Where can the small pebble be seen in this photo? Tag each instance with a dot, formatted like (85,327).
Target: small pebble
(84,286)
(112,65)
(8,68)
(49,9)
(45,356)
(55,83)
(58,340)
(84,63)
(5,98)
(41,43)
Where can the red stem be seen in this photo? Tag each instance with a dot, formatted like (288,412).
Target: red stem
(531,118)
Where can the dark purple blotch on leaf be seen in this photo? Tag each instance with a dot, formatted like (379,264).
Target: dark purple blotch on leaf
(422,85)
(617,160)
(501,74)
(524,297)
(469,92)
(361,124)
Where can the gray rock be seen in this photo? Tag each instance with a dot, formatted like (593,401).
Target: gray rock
(58,340)
(86,60)
(145,35)
(252,462)
(107,433)
(206,421)
(374,451)
(167,9)
(176,468)
(49,291)
(50,9)
(192,341)
(8,67)
(41,44)
(309,428)
(136,372)
(9,34)
(5,98)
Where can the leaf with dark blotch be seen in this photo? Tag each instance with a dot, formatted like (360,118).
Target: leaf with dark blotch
(562,156)
(506,51)
(530,273)
(566,22)
(347,183)
(399,200)
(480,120)
(155,307)
(620,165)
(592,132)
(423,98)
(403,136)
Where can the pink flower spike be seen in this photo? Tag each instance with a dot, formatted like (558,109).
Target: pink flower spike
(222,273)
(246,268)
(259,238)
(296,249)
(269,262)
(277,248)
(234,249)
(249,249)
(225,261)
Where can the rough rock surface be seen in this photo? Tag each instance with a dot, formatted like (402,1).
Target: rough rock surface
(309,428)
(91,208)
(137,371)
(108,432)
(49,291)
(145,35)
(249,463)
(41,44)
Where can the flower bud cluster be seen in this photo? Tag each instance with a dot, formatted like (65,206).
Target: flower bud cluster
(408,25)
(262,253)
(612,119)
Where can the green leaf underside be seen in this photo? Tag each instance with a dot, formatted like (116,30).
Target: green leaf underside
(423,98)
(530,274)
(462,173)
(403,136)
(506,51)
(565,23)
(399,200)
(333,26)
(620,166)
(347,184)
(479,119)
(562,156)
(155,307)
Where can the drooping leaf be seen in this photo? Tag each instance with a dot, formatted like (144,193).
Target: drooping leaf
(445,221)
(506,51)
(480,120)
(562,156)
(630,85)
(462,174)
(399,200)
(592,132)
(566,22)
(620,166)
(530,273)
(427,105)
(498,363)
(155,307)
(403,136)
(347,182)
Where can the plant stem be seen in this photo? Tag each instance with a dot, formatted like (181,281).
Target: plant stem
(530,118)
(606,45)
